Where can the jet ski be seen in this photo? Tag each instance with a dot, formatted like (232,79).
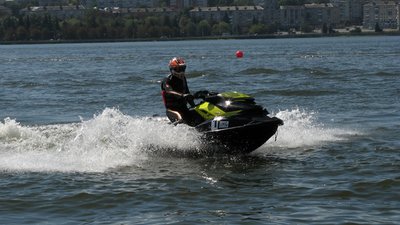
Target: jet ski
(232,122)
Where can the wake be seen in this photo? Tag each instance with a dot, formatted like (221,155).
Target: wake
(111,140)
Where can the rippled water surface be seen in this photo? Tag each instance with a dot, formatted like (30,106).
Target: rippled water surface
(84,139)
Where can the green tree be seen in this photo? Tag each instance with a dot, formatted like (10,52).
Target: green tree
(142,31)
(9,35)
(91,18)
(258,28)
(204,28)
(130,28)
(82,33)
(167,31)
(166,21)
(1,32)
(22,33)
(191,29)
(10,22)
(221,28)
(183,25)
(35,33)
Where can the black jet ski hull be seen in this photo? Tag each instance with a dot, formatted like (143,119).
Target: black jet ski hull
(240,139)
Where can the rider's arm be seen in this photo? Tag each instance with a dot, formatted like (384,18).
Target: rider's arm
(168,89)
(175,93)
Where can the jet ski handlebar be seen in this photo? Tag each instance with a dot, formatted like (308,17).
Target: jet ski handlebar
(204,94)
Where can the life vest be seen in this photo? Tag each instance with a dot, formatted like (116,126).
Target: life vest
(172,83)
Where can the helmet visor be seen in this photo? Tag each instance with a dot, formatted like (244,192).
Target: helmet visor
(180,69)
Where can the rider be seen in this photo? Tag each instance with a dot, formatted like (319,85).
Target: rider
(176,95)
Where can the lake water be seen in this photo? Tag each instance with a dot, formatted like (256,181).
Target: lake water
(79,124)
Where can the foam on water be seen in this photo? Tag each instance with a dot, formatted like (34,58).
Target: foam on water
(301,129)
(112,139)
(109,140)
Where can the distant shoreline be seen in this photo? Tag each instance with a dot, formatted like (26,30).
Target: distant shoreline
(227,37)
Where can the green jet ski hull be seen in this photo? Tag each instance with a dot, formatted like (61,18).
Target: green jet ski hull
(232,123)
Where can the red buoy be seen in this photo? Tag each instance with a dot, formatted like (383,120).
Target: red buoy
(239,54)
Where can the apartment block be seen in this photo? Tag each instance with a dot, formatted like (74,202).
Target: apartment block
(238,15)
(319,14)
(181,4)
(398,17)
(118,3)
(60,12)
(383,13)
(344,9)
(44,2)
(271,11)
(144,12)
(292,16)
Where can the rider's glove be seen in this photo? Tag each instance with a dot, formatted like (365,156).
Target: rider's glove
(188,97)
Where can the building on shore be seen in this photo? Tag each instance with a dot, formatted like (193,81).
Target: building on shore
(181,4)
(382,13)
(344,10)
(398,17)
(118,3)
(60,12)
(238,16)
(4,11)
(43,2)
(315,15)
(175,4)
(385,13)
(157,11)
(319,14)
(350,11)
(271,11)
(292,16)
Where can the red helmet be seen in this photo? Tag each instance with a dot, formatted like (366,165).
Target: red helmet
(177,64)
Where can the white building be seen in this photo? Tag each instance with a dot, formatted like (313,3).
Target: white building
(383,13)
(118,3)
(180,4)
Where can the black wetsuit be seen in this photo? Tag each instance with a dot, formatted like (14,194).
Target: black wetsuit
(176,105)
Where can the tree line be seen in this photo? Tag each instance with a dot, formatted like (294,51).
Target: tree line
(98,24)
(102,25)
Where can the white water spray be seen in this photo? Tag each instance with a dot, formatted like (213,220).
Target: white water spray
(109,140)
(112,139)
(301,129)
